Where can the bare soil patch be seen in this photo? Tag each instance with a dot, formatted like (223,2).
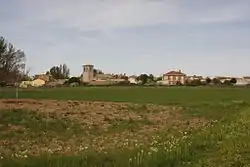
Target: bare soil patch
(100,125)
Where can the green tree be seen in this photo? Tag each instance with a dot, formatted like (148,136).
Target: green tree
(208,80)
(158,79)
(65,71)
(143,78)
(227,82)
(74,80)
(12,62)
(25,76)
(178,83)
(195,82)
(216,81)
(151,78)
(59,72)
(97,71)
(233,80)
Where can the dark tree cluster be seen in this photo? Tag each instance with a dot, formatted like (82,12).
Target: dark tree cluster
(12,62)
(145,78)
(59,72)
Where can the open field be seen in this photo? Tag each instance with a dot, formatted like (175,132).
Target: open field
(159,95)
(144,127)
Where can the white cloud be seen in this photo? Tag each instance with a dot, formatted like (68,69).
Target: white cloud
(109,14)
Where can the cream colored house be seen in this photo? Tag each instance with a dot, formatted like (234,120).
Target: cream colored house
(173,78)
(34,83)
(45,77)
(241,81)
(25,84)
(38,82)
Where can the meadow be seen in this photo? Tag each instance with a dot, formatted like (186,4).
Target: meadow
(125,126)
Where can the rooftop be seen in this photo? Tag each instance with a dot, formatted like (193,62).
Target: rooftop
(174,73)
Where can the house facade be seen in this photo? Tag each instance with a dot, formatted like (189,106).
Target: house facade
(174,78)
(90,77)
(247,79)
(38,82)
(241,81)
(45,77)
(34,83)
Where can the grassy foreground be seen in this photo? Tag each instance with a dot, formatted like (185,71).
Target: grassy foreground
(198,127)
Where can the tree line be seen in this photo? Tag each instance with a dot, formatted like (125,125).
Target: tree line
(144,79)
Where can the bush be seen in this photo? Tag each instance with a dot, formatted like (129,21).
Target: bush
(178,83)
(73,80)
(195,82)
(233,81)
(122,83)
(227,82)
(3,84)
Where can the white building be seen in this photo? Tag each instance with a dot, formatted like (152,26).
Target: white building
(132,80)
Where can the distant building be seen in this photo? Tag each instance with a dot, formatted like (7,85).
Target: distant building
(194,77)
(223,78)
(101,77)
(34,83)
(44,77)
(38,82)
(241,81)
(55,83)
(247,79)
(88,73)
(133,79)
(174,77)
(94,78)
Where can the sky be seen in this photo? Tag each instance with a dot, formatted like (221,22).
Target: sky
(202,37)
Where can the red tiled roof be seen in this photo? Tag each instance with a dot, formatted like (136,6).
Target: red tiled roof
(174,73)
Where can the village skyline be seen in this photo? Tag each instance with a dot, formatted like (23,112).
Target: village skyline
(59,75)
(139,73)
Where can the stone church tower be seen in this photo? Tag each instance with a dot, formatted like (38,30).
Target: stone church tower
(88,73)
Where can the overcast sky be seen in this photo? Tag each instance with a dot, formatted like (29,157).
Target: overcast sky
(206,37)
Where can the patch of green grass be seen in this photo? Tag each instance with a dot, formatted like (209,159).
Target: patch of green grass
(173,95)
(127,124)
(215,111)
(226,144)
(24,132)
(36,123)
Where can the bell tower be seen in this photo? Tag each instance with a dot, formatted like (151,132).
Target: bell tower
(88,73)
